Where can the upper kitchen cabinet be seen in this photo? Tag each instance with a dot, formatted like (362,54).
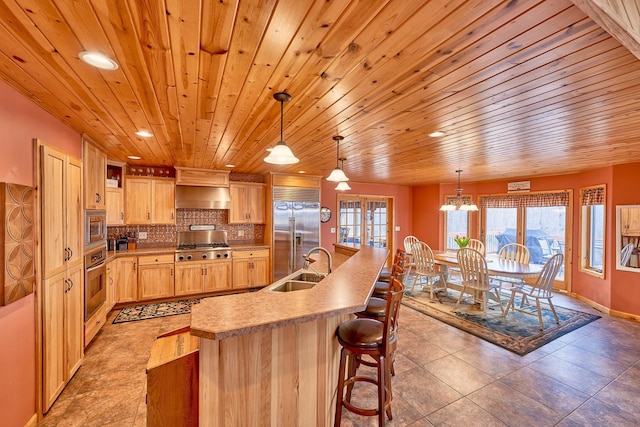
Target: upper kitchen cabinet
(115,193)
(95,173)
(150,201)
(630,221)
(247,203)
(202,177)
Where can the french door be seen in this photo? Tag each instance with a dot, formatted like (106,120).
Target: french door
(365,220)
(540,221)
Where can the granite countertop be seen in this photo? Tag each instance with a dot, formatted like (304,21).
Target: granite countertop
(345,290)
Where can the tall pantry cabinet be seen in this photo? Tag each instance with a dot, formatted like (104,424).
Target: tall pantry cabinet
(62,276)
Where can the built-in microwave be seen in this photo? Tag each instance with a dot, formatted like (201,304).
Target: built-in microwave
(95,229)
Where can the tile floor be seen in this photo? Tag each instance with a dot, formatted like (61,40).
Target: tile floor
(589,377)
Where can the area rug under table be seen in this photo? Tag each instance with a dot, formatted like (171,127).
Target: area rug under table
(150,311)
(518,332)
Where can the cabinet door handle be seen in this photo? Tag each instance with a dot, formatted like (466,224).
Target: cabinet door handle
(149,216)
(171,215)
(66,288)
(134,266)
(122,215)
(98,198)
(70,284)
(66,257)
(171,272)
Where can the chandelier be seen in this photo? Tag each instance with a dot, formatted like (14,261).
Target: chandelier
(281,154)
(458,202)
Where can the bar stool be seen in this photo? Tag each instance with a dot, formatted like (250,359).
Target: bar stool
(382,285)
(374,338)
(385,274)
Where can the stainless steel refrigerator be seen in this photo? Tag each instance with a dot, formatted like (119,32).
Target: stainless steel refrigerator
(296,227)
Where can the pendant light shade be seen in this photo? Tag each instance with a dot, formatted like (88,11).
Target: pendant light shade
(458,203)
(337,175)
(281,154)
(343,186)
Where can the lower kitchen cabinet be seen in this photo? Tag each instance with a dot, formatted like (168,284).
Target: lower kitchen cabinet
(126,279)
(62,331)
(250,268)
(195,278)
(155,276)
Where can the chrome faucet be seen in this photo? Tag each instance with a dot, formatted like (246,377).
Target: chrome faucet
(307,260)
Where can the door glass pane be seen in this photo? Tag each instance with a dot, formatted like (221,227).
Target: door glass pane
(501,226)
(350,213)
(377,224)
(457,225)
(545,233)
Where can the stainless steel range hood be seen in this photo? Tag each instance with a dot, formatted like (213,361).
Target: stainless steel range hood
(197,197)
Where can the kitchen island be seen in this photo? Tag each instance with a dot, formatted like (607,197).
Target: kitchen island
(271,358)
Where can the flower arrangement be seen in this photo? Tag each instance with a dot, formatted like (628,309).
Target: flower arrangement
(462,241)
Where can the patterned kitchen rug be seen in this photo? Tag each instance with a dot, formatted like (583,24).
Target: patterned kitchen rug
(151,311)
(518,332)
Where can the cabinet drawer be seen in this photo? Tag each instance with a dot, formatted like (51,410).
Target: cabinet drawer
(94,324)
(155,259)
(250,254)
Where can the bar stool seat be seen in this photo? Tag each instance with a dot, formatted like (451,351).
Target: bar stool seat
(376,308)
(375,338)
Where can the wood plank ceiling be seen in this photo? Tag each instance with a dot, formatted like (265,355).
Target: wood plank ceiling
(521,88)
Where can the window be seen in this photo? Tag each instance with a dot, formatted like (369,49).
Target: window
(456,224)
(592,229)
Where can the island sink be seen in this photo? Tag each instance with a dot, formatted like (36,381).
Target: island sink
(293,285)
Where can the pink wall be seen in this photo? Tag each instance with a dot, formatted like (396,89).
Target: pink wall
(625,295)
(402,211)
(20,121)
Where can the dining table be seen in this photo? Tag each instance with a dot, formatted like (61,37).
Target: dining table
(495,266)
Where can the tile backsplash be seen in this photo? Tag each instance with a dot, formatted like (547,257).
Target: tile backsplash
(166,235)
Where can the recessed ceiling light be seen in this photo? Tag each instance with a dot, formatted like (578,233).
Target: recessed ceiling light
(134,157)
(144,134)
(98,60)
(436,134)
(302,172)
(230,166)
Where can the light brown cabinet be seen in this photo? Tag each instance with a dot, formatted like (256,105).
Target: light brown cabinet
(150,200)
(247,203)
(194,278)
(630,221)
(115,206)
(250,268)
(126,279)
(60,183)
(62,331)
(155,276)
(61,200)
(95,175)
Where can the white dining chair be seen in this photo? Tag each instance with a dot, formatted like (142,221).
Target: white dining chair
(408,242)
(425,269)
(512,252)
(476,245)
(475,277)
(541,290)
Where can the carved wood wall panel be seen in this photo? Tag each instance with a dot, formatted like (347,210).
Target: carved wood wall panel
(16,248)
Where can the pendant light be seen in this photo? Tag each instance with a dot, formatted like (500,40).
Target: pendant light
(337,175)
(342,185)
(281,154)
(458,203)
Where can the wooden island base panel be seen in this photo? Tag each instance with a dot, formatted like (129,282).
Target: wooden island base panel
(271,358)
